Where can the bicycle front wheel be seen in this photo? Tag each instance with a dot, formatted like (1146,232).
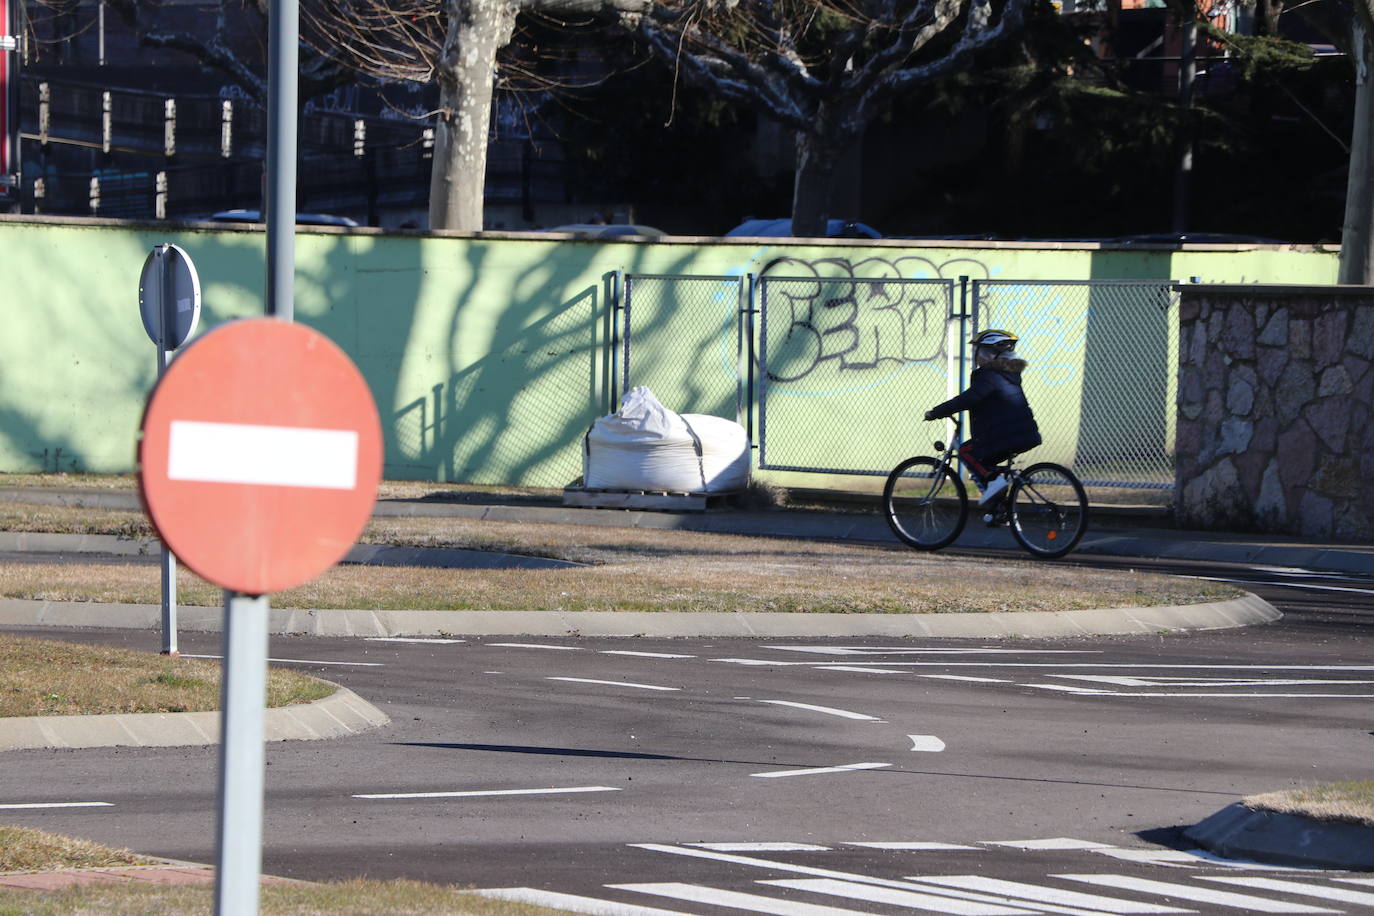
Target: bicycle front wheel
(925,505)
(1049,510)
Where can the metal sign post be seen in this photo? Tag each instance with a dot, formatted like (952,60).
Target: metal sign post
(256,492)
(11,31)
(169,301)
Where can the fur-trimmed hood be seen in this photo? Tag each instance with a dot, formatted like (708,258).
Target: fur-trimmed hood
(1007,364)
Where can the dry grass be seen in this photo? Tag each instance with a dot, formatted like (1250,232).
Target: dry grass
(1349,802)
(647,570)
(627,569)
(358,897)
(24,849)
(45,678)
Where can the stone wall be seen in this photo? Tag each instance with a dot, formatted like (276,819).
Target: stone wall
(1274,410)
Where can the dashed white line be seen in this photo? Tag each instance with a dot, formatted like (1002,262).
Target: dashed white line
(31,805)
(827,710)
(534,645)
(1060,843)
(964,677)
(761,847)
(815,771)
(435,640)
(587,680)
(567,790)
(644,654)
(858,669)
(913,846)
(1306,585)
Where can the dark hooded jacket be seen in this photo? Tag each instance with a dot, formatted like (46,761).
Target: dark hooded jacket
(999,414)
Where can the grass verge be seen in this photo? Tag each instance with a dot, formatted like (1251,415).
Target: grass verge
(41,677)
(25,849)
(357,897)
(1350,802)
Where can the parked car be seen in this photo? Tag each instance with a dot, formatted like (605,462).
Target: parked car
(302,219)
(782,228)
(613,230)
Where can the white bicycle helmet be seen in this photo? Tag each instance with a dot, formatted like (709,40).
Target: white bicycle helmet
(994,339)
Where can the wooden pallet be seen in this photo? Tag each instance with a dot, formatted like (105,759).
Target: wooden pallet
(658,500)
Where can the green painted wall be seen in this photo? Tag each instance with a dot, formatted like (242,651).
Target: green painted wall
(486,355)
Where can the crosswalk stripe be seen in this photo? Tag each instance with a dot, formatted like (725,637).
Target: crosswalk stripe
(1338,894)
(572,902)
(1017,890)
(912,846)
(761,847)
(894,897)
(1367,882)
(774,865)
(1060,842)
(1199,894)
(736,899)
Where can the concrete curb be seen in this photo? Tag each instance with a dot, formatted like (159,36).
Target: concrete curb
(337,715)
(1238,832)
(1238,612)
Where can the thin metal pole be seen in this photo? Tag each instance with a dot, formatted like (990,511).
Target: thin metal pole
(283,33)
(242,760)
(166,316)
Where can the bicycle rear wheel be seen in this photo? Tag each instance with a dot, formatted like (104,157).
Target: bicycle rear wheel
(925,505)
(1049,510)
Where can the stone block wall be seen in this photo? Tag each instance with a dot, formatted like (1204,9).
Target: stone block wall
(1275,426)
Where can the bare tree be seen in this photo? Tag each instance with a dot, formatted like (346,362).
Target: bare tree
(456,44)
(823,68)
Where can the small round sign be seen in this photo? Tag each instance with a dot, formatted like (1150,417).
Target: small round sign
(169,296)
(260,455)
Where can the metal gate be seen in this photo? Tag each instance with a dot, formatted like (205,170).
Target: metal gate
(685,339)
(1103,371)
(847,366)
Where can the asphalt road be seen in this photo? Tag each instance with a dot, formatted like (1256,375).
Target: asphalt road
(721,776)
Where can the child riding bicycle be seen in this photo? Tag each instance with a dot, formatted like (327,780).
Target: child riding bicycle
(999,414)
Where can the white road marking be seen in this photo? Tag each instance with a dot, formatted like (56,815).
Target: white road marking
(908,650)
(1199,894)
(1022,892)
(1366,882)
(1306,585)
(894,897)
(912,846)
(773,865)
(814,771)
(1063,688)
(568,790)
(694,893)
(926,743)
(434,640)
(1190,858)
(858,669)
(1061,842)
(1339,894)
(1060,665)
(1298,571)
(644,654)
(962,677)
(534,645)
(1122,681)
(587,680)
(274,456)
(828,710)
(761,847)
(307,661)
(17,807)
(571,902)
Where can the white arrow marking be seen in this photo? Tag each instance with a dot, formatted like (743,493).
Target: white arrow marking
(828,710)
(926,743)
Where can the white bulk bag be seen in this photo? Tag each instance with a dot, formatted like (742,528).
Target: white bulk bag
(646,446)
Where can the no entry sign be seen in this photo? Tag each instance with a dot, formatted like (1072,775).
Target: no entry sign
(260,456)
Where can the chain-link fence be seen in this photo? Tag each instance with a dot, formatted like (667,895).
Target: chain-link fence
(846,368)
(1103,372)
(685,339)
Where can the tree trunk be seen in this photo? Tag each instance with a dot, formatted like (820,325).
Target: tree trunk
(466,74)
(1357,234)
(818,153)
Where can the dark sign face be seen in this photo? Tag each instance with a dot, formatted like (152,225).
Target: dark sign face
(9,101)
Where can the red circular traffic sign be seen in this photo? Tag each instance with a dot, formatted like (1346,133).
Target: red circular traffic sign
(260,456)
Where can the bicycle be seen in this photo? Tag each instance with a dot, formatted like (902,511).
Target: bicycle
(927,506)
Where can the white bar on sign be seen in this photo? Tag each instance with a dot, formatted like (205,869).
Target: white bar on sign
(273,456)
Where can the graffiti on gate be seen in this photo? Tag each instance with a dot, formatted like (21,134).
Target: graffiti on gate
(841,316)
